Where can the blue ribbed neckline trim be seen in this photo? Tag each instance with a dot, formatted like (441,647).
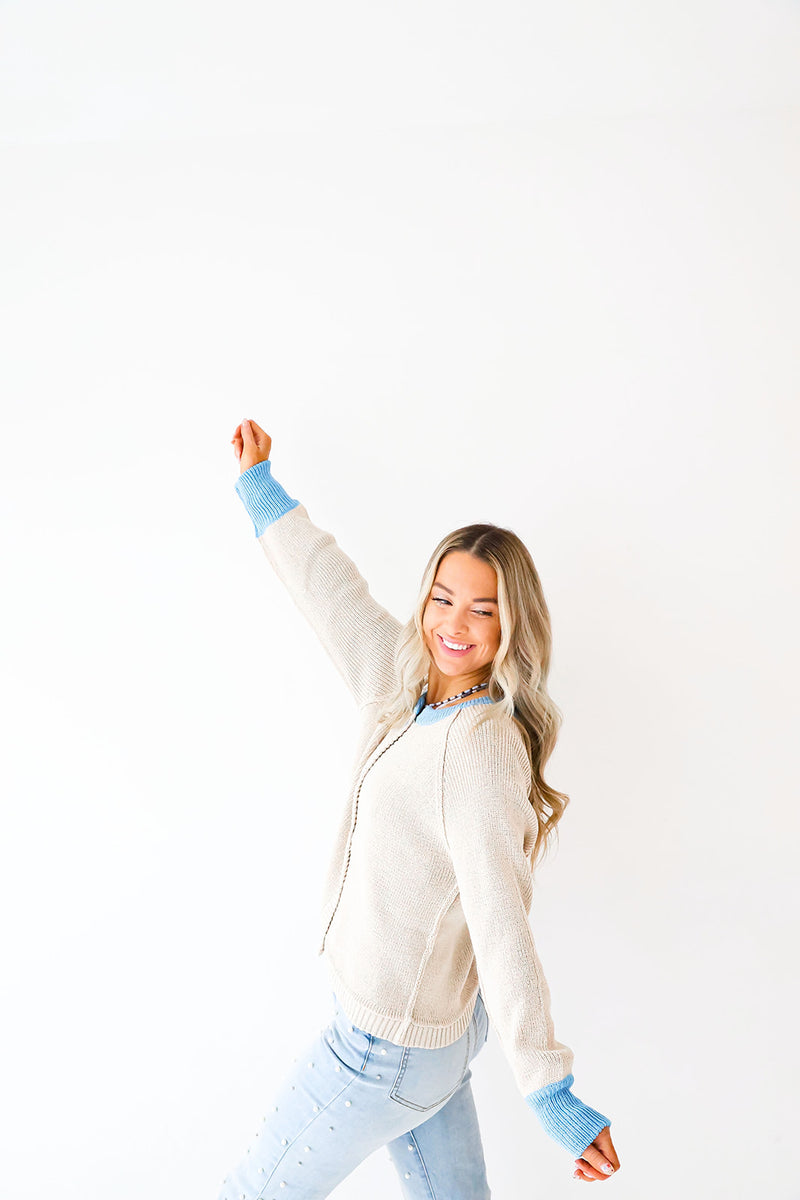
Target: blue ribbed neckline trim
(429,716)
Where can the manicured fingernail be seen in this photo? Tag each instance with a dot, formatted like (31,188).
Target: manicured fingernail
(607,1167)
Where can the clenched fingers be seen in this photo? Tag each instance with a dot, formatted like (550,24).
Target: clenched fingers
(599,1160)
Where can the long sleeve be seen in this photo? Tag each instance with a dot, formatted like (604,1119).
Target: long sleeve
(490,828)
(358,634)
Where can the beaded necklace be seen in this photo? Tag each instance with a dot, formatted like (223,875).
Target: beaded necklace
(468,692)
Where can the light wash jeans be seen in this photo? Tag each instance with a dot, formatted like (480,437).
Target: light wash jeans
(349,1094)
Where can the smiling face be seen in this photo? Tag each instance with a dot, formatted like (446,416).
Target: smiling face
(462,610)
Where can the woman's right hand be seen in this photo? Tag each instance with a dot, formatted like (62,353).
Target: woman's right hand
(251,445)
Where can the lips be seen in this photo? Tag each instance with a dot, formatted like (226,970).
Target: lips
(453,653)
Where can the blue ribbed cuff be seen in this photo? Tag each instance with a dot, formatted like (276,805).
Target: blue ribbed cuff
(565,1118)
(263,496)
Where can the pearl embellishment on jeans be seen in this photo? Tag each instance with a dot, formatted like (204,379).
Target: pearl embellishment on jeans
(347,1103)
(284,1142)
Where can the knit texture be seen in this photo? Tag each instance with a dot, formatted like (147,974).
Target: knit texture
(565,1118)
(429,886)
(263,496)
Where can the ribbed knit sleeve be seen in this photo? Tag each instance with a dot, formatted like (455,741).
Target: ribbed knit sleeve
(490,828)
(357,632)
(564,1117)
(263,496)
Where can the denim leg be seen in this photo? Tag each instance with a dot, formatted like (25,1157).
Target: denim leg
(350,1093)
(322,1122)
(442,1159)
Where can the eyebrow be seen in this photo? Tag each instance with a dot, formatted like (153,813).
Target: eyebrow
(477,600)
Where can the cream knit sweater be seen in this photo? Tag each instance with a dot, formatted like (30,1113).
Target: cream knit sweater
(429,888)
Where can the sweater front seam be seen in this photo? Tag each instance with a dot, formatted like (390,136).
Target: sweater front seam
(430,945)
(353,823)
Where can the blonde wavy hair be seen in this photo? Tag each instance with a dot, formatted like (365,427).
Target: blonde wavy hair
(519,670)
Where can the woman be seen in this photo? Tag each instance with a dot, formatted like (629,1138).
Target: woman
(425,914)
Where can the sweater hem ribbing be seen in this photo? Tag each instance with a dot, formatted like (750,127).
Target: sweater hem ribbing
(399,1030)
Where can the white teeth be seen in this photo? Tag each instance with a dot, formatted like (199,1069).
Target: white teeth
(454,645)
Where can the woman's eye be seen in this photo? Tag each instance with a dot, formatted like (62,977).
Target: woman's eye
(478,612)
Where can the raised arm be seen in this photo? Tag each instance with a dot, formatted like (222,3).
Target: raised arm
(358,634)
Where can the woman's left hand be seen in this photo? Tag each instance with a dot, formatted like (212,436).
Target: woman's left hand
(595,1157)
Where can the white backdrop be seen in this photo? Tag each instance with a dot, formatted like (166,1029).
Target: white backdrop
(521,263)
